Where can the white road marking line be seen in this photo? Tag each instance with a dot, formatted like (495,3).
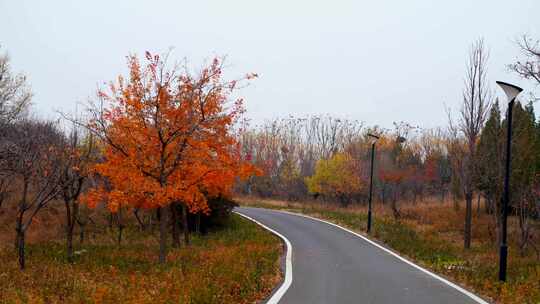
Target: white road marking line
(288,262)
(460,289)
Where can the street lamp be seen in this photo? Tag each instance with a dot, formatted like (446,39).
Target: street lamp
(374,140)
(511,92)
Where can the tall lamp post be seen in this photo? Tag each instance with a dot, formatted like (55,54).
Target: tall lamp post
(374,140)
(511,92)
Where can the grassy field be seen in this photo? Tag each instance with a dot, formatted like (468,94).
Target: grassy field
(431,235)
(237,264)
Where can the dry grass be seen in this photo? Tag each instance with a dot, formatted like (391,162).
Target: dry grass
(431,233)
(236,264)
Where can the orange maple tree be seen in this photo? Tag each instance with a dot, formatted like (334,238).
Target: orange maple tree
(168,139)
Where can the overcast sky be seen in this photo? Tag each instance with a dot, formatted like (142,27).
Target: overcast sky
(376,61)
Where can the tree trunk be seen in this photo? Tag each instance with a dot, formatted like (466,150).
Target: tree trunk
(468,220)
(455,199)
(162,234)
(110,220)
(70,224)
(141,223)
(20,248)
(19,243)
(120,225)
(174,220)
(198,223)
(478,204)
(82,224)
(524,229)
(488,204)
(120,230)
(81,232)
(69,241)
(498,221)
(185,223)
(443,192)
(20,214)
(395,210)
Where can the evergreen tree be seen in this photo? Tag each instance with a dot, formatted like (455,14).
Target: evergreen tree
(489,175)
(523,170)
(490,152)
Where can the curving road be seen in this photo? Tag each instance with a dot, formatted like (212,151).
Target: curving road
(331,265)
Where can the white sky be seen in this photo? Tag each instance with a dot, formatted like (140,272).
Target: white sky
(376,61)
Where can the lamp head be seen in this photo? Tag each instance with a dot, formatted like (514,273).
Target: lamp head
(373,138)
(510,90)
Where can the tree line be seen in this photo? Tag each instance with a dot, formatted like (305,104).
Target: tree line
(168,146)
(327,158)
(159,144)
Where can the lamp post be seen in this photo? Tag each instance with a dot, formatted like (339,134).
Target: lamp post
(511,92)
(374,140)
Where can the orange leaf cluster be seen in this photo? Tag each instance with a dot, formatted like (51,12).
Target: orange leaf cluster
(168,138)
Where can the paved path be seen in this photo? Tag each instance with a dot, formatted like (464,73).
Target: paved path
(330,265)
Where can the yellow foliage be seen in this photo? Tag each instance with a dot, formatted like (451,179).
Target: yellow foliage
(335,177)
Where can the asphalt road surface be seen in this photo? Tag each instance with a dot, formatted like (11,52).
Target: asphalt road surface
(330,265)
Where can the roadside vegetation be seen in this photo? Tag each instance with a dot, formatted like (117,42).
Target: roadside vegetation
(237,262)
(439,191)
(428,234)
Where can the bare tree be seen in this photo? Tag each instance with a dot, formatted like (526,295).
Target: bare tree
(473,114)
(15,94)
(433,147)
(530,67)
(77,155)
(35,161)
(457,151)
(15,98)
(288,149)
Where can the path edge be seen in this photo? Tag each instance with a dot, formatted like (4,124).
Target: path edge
(278,294)
(471,295)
